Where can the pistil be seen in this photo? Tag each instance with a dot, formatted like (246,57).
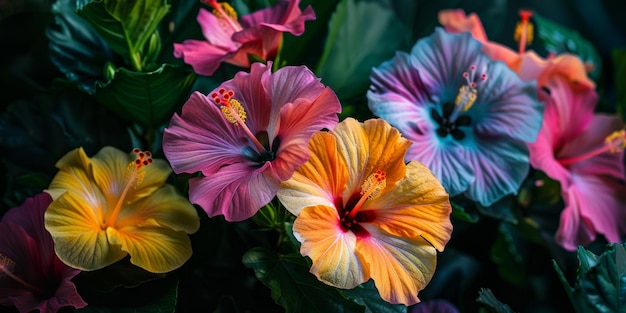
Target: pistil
(6,269)
(370,189)
(524,30)
(235,113)
(225,12)
(135,174)
(613,143)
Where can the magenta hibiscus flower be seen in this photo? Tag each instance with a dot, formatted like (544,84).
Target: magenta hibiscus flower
(31,275)
(231,40)
(584,152)
(247,136)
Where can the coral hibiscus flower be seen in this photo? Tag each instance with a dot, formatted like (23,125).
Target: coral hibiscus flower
(469,117)
(247,136)
(233,40)
(527,64)
(584,152)
(31,275)
(362,213)
(115,204)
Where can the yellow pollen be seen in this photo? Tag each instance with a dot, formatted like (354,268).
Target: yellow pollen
(374,185)
(232,110)
(226,9)
(616,141)
(466,97)
(522,27)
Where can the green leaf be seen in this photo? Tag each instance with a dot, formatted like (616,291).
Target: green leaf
(362,35)
(505,253)
(146,98)
(601,280)
(126,25)
(165,303)
(459,212)
(559,39)
(367,295)
(619,61)
(293,286)
(486,297)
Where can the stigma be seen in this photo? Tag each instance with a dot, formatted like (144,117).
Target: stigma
(7,267)
(374,184)
(467,94)
(225,13)
(524,30)
(232,110)
(613,143)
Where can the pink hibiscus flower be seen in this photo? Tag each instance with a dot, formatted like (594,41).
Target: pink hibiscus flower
(31,275)
(247,136)
(583,151)
(527,64)
(231,40)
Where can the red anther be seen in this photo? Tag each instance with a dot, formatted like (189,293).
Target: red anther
(150,160)
(222,91)
(148,153)
(141,155)
(137,161)
(136,150)
(145,162)
(465,74)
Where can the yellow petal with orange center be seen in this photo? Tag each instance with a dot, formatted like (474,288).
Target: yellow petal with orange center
(78,238)
(151,247)
(370,146)
(317,181)
(166,207)
(330,248)
(400,267)
(417,206)
(110,171)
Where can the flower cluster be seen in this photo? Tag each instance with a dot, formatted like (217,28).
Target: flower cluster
(246,152)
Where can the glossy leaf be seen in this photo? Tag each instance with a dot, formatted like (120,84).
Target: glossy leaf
(367,295)
(505,253)
(487,298)
(361,35)
(147,99)
(560,39)
(619,61)
(293,287)
(601,280)
(126,25)
(459,212)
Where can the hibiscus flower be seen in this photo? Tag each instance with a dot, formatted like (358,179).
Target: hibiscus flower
(362,213)
(247,136)
(527,64)
(469,117)
(584,152)
(117,204)
(233,40)
(31,275)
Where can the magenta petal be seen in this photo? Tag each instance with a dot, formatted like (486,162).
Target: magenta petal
(236,191)
(284,16)
(201,139)
(203,57)
(214,32)
(569,111)
(607,163)
(593,204)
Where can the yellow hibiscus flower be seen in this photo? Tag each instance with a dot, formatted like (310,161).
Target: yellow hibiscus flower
(362,213)
(116,204)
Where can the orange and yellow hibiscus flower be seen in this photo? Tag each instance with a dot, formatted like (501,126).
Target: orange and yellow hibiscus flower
(362,213)
(115,204)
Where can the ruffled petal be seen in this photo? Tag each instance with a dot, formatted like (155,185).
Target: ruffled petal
(166,207)
(236,191)
(214,32)
(331,249)
(201,139)
(78,238)
(318,180)
(397,94)
(455,21)
(500,165)
(284,16)
(152,247)
(400,267)
(417,206)
(607,163)
(593,204)
(203,57)
(447,159)
(568,111)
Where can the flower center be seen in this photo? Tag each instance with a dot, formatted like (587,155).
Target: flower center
(225,13)
(613,143)
(6,269)
(371,188)
(235,113)
(450,119)
(524,30)
(135,174)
